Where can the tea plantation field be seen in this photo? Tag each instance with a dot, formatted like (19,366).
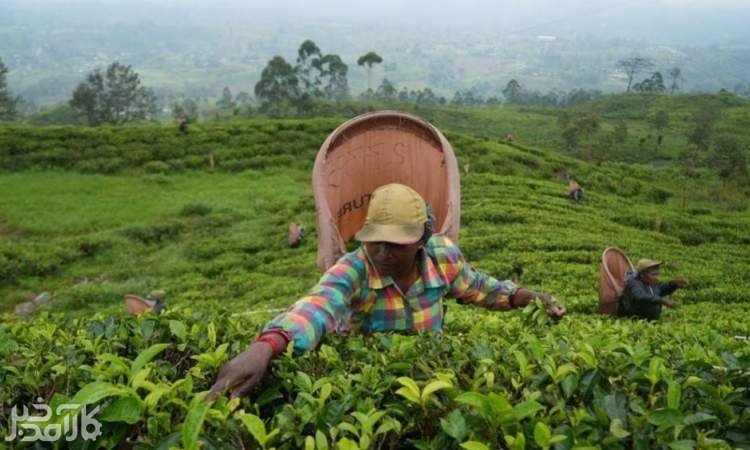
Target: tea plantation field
(92,214)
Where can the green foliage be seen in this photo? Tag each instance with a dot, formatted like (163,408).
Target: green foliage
(186,109)
(156,167)
(583,382)
(57,114)
(8,103)
(632,66)
(114,97)
(659,120)
(333,76)
(148,234)
(675,74)
(215,240)
(653,84)
(369,59)
(277,88)
(581,125)
(321,77)
(195,209)
(162,149)
(703,122)
(512,91)
(728,158)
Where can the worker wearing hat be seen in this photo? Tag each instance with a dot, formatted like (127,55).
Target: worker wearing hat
(643,295)
(395,281)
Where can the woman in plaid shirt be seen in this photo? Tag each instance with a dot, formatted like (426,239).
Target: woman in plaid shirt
(395,281)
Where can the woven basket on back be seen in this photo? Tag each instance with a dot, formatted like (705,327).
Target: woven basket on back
(137,305)
(615,264)
(369,151)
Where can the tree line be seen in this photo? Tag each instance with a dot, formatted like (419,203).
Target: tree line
(317,80)
(631,67)
(311,84)
(8,103)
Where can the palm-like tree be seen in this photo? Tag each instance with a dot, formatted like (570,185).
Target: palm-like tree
(369,59)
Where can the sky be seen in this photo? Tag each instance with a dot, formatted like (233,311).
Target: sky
(687,22)
(71,31)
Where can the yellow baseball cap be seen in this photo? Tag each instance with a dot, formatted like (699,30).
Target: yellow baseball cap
(645,264)
(158,294)
(396,214)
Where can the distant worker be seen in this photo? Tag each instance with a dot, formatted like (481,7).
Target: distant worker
(575,191)
(182,124)
(643,295)
(154,301)
(296,234)
(395,281)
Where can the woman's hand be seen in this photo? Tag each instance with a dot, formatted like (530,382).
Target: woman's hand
(523,296)
(554,309)
(669,303)
(680,282)
(241,374)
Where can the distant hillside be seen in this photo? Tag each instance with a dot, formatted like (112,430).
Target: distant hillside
(518,183)
(540,127)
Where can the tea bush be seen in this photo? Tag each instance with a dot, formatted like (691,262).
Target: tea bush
(500,380)
(215,239)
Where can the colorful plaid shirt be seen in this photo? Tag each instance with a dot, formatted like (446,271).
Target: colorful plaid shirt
(352,296)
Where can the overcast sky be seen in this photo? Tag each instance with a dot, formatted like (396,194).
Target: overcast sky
(689,22)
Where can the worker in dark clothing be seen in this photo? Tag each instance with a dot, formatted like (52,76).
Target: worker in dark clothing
(182,124)
(643,295)
(575,191)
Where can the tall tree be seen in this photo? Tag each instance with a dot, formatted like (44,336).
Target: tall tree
(243,98)
(728,158)
(320,76)
(113,97)
(653,84)
(473,98)
(426,97)
(632,66)
(277,88)
(186,109)
(582,125)
(659,121)
(369,59)
(333,78)
(308,68)
(512,91)
(657,83)
(620,132)
(8,103)
(225,102)
(703,121)
(675,74)
(387,91)
(690,159)
(458,99)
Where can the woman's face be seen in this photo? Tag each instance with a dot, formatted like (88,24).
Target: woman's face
(651,276)
(393,260)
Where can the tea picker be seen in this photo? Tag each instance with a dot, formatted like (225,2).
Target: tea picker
(396,280)
(153,302)
(634,291)
(391,182)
